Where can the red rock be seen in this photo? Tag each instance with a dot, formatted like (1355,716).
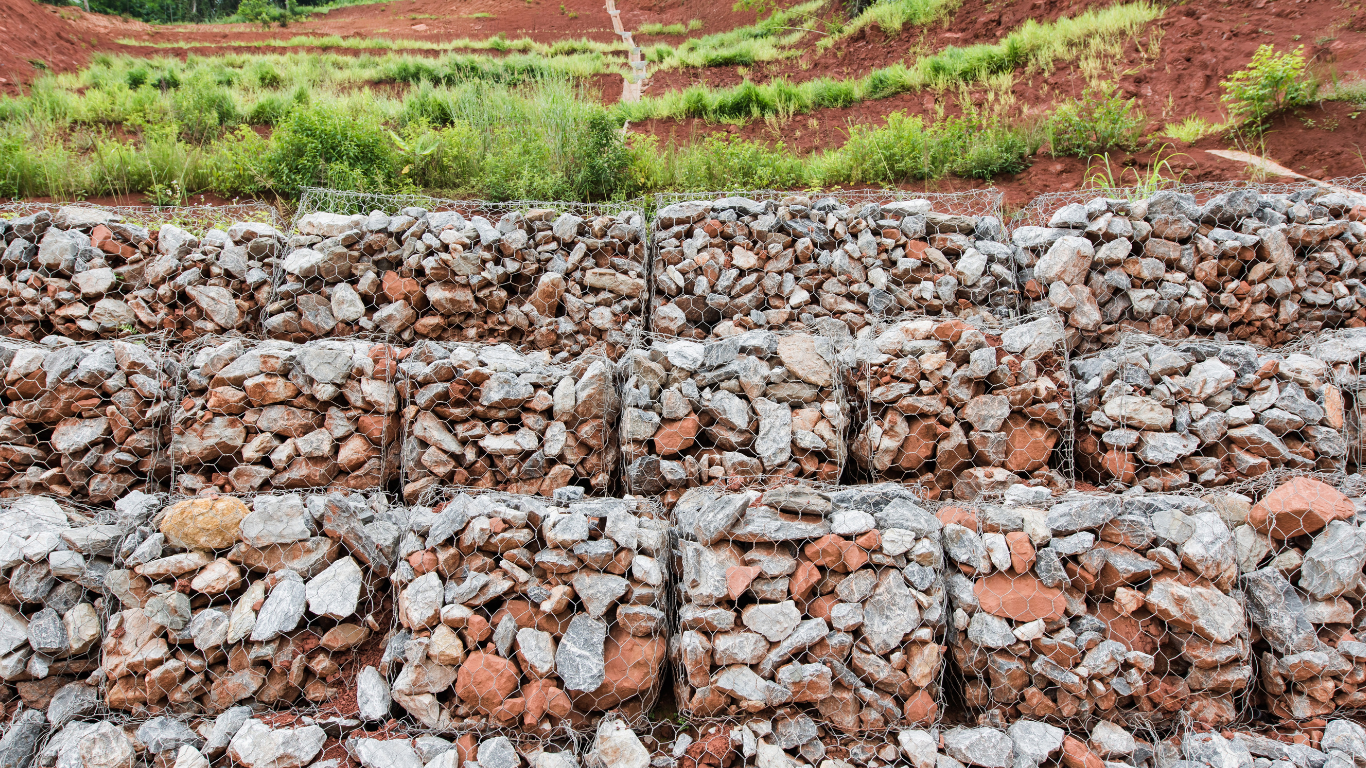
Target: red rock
(1021,551)
(1302,505)
(920,709)
(951,330)
(1022,597)
(1029,442)
(1075,754)
(477,629)
(676,436)
(633,665)
(837,553)
(820,607)
(1119,465)
(544,697)
(485,681)
(919,445)
(803,579)
(738,578)
(958,516)
(397,288)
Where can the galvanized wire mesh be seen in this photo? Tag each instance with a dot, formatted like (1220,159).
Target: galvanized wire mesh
(198,219)
(962,410)
(973,202)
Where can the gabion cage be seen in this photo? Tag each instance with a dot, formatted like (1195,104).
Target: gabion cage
(774,260)
(488,416)
(522,610)
(962,410)
(88,272)
(1263,264)
(811,600)
(84,420)
(255,415)
(555,276)
(1164,415)
(755,404)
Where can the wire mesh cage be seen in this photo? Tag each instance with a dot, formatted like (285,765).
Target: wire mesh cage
(528,612)
(54,558)
(267,600)
(729,262)
(818,602)
(255,415)
(1099,608)
(84,420)
(489,416)
(1260,263)
(1163,415)
(87,272)
(1342,352)
(961,410)
(755,404)
(555,276)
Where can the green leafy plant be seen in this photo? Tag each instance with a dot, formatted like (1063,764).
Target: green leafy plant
(1159,175)
(1101,119)
(1270,83)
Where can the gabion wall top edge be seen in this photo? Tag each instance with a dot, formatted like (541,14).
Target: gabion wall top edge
(322,200)
(975,202)
(198,219)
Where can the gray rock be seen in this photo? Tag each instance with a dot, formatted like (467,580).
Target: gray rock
(47,633)
(985,747)
(225,726)
(162,734)
(335,592)
(890,614)
(498,752)
(990,631)
(1346,738)
(579,658)
(21,739)
(282,610)
(1034,742)
(1275,607)
(774,621)
(1332,566)
(598,591)
(385,753)
(794,730)
(372,695)
(1215,751)
(71,701)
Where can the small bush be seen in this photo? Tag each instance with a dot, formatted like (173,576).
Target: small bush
(203,110)
(322,146)
(1271,83)
(1100,120)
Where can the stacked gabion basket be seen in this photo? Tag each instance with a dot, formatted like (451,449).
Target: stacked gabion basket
(426,483)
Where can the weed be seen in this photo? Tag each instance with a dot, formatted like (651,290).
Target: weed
(1102,119)
(1270,83)
(1144,184)
(891,15)
(1193,129)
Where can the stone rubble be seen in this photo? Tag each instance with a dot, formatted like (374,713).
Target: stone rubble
(83,420)
(488,416)
(960,410)
(224,602)
(735,264)
(539,279)
(1164,416)
(1100,607)
(277,415)
(1262,268)
(826,601)
(756,404)
(521,609)
(85,273)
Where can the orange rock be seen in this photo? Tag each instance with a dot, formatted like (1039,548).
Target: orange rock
(738,579)
(1029,443)
(1302,505)
(869,541)
(1075,754)
(485,681)
(633,665)
(1119,465)
(919,446)
(543,698)
(477,629)
(423,561)
(1021,551)
(676,436)
(806,577)
(835,552)
(958,516)
(920,709)
(950,330)
(1020,597)
(511,709)
(820,607)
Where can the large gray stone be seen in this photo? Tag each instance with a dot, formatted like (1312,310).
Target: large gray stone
(579,658)
(985,747)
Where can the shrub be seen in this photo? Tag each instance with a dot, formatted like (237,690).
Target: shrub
(1100,120)
(204,109)
(321,145)
(1271,82)
(603,163)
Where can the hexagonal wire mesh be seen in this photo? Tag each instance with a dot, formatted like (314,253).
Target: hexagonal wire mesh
(732,261)
(1093,608)
(1342,351)
(1163,414)
(84,420)
(87,272)
(962,409)
(755,404)
(556,276)
(253,415)
(816,603)
(488,416)
(1259,263)
(524,609)
(54,558)
(269,600)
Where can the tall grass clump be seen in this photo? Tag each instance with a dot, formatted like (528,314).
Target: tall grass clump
(767,40)
(891,16)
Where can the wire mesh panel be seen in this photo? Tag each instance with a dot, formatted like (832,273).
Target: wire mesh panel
(754,404)
(523,611)
(1162,415)
(488,416)
(88,272)
(516,751)
(1259,264)
(1302,563)
(1095,608)
(265,601)
(823,600)
(726,264)
(554,276)
(84,420)
(962,411)
(54,556)
(260,414)
(1343,352)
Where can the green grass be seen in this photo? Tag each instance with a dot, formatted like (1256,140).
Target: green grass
(1193,129)
(1031,47)
(768,40)
(671,29)
(496,43)
(892,15)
